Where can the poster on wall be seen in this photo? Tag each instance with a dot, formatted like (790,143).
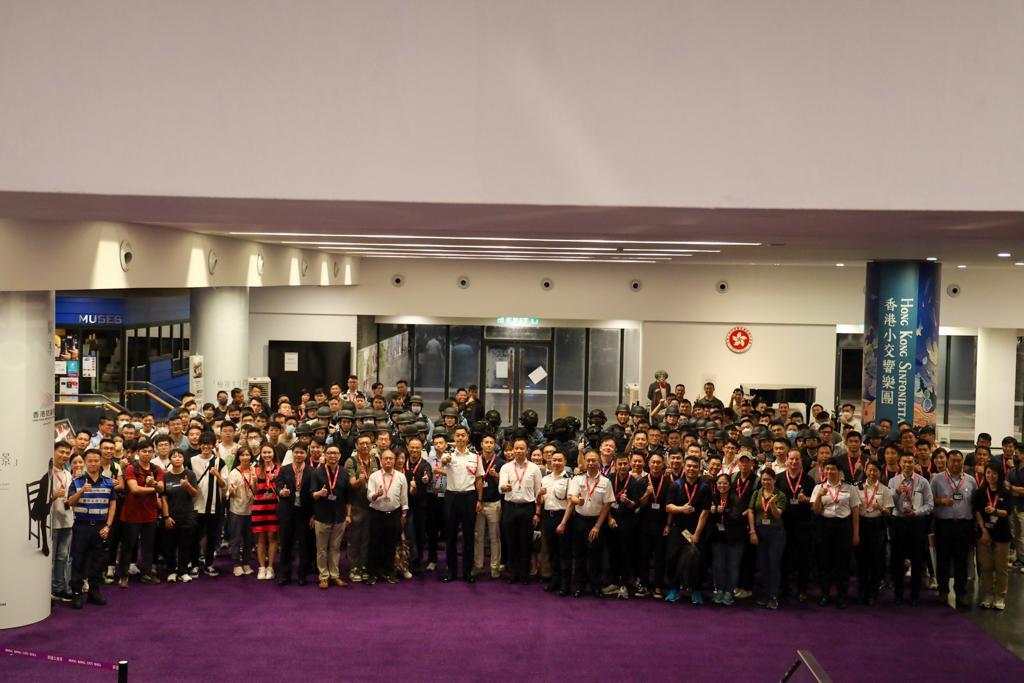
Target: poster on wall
(88,366)
(65,344)
(366,368)
(195,377)
(69,386)
(63,430)
(60,367)
(393,359)
(73,368)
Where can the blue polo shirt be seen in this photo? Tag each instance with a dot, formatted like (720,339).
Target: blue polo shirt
(92,506)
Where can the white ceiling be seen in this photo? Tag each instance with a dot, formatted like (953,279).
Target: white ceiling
(570,233)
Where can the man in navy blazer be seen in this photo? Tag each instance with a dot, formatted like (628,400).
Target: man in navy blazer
(294,514)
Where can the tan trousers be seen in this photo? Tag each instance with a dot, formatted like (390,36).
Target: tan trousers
(328,548)
(992,568)
(488,520)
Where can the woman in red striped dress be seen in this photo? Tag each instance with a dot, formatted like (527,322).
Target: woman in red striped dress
(264,512)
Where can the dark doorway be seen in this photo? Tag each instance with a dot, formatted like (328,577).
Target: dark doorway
(296,365)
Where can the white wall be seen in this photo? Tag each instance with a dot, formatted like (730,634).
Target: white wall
(788,104)
(272,315)
(693,353)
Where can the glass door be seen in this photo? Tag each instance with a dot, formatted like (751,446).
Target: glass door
(517,378)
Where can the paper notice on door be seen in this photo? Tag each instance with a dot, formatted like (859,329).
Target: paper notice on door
(291,361)
(501,369)
(538,375)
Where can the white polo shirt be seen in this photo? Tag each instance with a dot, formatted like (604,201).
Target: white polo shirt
(596,493)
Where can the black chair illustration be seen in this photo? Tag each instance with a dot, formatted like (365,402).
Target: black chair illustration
(37,529)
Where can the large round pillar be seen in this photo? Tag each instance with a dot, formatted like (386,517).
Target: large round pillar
(26,375)
(220,334)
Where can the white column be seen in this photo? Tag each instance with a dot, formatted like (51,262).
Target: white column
(26,375)
(220,334)
(997,363)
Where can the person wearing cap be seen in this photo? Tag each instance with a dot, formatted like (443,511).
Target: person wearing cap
(358,469)
(416,408)
(463,501)
(744,485)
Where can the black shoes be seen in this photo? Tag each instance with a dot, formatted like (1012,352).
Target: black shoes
(469,578)
(447,578)
(76,601)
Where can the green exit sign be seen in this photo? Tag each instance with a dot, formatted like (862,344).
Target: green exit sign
(518,322)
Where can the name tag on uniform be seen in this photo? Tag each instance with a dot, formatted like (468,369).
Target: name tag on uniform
(794,501)
(766,522)
(332,497)
(298,502)
(655,506)
(615,506)
(958,496)
(721,527)
(599,489)
(993,519)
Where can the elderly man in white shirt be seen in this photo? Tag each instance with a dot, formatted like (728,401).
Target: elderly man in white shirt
(388,493)
(519,482)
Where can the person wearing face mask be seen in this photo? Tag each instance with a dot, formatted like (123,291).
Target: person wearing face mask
(847,417)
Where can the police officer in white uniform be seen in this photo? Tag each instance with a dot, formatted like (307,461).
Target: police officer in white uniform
(463,499)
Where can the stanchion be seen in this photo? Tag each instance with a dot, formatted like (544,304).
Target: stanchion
(122,671)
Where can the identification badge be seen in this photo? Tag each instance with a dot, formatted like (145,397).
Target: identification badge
(615,506)
(766,522)
(993,518)
(794,501)
(298,502)
(655,506)
(721,527)
(989,525)
(958,496)
(332,497)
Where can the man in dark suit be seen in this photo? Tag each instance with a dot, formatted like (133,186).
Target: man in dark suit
(294,508)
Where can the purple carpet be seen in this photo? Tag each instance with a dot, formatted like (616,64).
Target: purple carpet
(238,629)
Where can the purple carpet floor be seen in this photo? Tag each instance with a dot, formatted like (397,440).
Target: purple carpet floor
(238,629)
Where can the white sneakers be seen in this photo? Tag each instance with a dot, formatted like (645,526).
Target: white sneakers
(261,575)
(185,578)
(172,578)
(999,604)
(237,571)
(264,573)
(247,570)
(741,593)
(986,602)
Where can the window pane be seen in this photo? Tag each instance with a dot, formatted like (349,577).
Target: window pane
(568,382)
(963,365)
(431,361)
(165,340)
(604,370)
(186,339)
(464,356)
(393,360)
(154,342)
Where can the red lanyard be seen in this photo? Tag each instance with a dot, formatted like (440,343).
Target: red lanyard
(591,489)
(475,467)
(690,496)
(834,497)
(619,491)
(362,466)
(979,479)
(742,492)
(871,499)
(331,482)
(849,461)
(988,494)
(766,502)
(821,478)
(660,482)
(956,489)
(909,493)
(723,503)
(519,477)
(386,483)
(298,474)
(889,476)
(490,466)
(792,488)
(247,478)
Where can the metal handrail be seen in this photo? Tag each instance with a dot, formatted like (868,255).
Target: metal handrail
(104,402)
(158,392)
(146,392)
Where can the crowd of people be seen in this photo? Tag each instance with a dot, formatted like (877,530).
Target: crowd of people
(684,498)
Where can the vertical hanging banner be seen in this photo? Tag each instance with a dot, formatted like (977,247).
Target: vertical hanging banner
(901,341)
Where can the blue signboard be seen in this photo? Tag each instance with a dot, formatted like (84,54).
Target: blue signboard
(901,341)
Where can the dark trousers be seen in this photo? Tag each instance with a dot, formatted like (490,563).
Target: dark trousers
(871,556)
(953,541)
(796,558)
(385,532)
(586,554)
(208,530)
(834,559)
(908,543)
(436,510)
(178,548)
(113,542)
(651,549)
(460,513)
(87,556)
(294,530)
(137,534)
(517,530)
(420,512)
(684,566)
(622,544)
(559,548)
